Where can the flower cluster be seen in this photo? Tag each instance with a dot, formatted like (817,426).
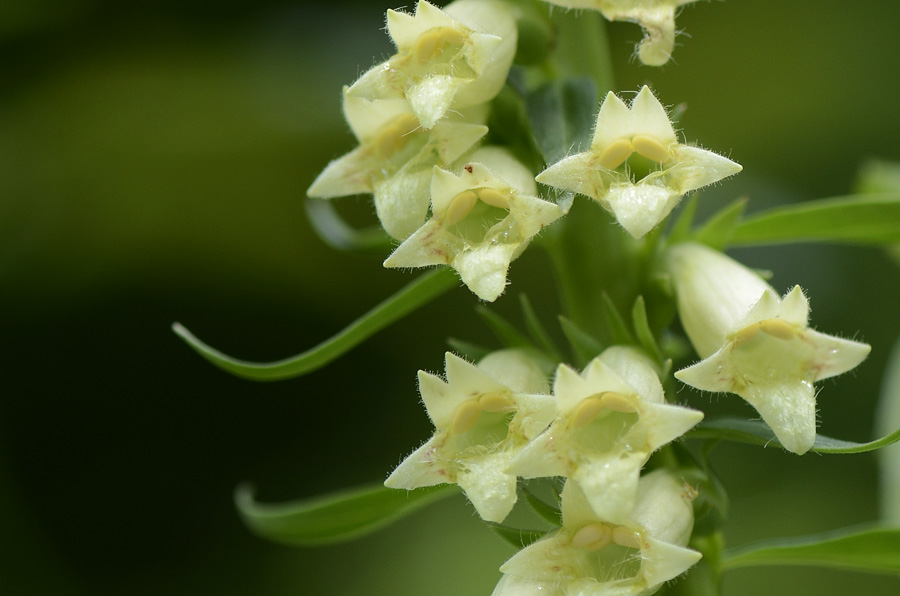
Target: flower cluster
(496,422)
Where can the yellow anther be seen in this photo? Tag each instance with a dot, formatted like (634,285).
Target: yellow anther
(494,198)
(592,536)
(650,148)
(393,136)
(460,206)
(586,411)
(432,43)
(777,328)
(615,155)
(617,402)
(626,537)
(466,416)
(495,402)
(746,334)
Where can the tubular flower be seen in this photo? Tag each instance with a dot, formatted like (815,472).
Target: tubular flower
(594,556)
(754,343)
(656,18)
(482,219)
(482,416)
(602,173)
(456,58)
(394,160)
(610,419)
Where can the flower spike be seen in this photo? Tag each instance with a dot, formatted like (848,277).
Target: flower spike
(482,416)
(456,57)
(482,219)
(754,343)
(594,556)
(611,417)
(602,173)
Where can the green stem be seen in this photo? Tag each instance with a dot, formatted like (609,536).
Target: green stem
(582,48)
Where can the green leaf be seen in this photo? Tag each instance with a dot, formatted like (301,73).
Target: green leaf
(681,229)
(756,432)
(415,294)
(536,329)
(719,229)
(546,511)
(862,219)
(562,116)
(642,330)
(618,329)
(873,549)
(335,232)
(585,346)
(470,351)
(503,329)
(336,517)
(518,538)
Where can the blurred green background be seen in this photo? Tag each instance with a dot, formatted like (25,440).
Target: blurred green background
(153,163)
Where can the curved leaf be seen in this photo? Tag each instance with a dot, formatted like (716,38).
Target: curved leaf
(873,549)
(756,432)
(518,538)
(336,517)
(415,294)
(335,232)
(864,219)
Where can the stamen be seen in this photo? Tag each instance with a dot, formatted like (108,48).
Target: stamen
(496,403)
(432,43)
(617,402)
(746,334)
(592,536)
(626,537)
(615,155)
(460,206)
(494,198)
(394,136)
(650,148)
(777,328)
(586,411)
(466,416)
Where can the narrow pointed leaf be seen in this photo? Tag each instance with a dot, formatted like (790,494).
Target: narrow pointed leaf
(415,294)
(518,538)
(335,517)
(503,329)
(873,549)
(536,329)
(642,329)
(562,116)
(585,347)
(335,232)
(861,219)
(618,329)
(756,432)
(681,229)
(719,229)
(546,511)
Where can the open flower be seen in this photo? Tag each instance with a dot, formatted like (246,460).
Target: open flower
(482,416)
(482,219)
(394,159)
(593,556)
(656,18)
(754,343)
(456,57)
(603,174)
(610,419)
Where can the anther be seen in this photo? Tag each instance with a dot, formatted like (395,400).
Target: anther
(395,135)
(466,416)
(746,334)
(586,411)
(460,206)
(617,402)
(592,536)
(432,43)
(495,402)
(650,148)
(626,537)
(615,155)
(777,328)
(494,198)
